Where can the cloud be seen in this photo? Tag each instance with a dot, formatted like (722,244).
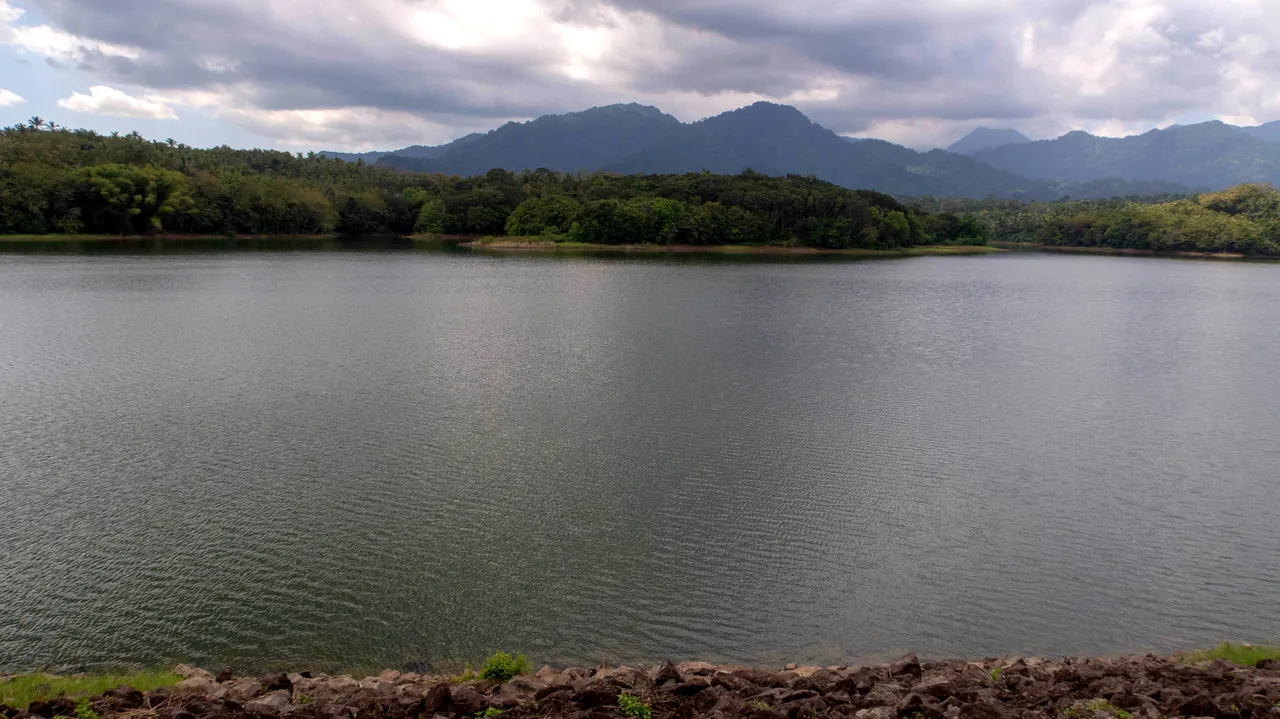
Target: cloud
(9,98)
(104,100)
(52,43)
(369,74)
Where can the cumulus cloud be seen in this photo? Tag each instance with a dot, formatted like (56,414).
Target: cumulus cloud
(9,98)
(105,100)
(372,73)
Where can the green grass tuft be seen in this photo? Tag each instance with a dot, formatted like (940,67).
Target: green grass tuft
(633,706)
(1244,655)
(22,689)
(503,666)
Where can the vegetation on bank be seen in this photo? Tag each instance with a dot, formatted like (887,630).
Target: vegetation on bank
(81,183)
(561,243)
(1241,220)
(1246,655)
(22,689)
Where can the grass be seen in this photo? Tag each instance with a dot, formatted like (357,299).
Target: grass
(22,689)
(633,706)
(1246,655)
(490,713)
(503,666)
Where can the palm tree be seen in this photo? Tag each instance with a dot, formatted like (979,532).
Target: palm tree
(53,126)
(36,123)
(171,142)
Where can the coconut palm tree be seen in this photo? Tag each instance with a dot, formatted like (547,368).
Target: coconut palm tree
(36,123)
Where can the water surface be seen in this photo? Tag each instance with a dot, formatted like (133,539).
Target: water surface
(383,459)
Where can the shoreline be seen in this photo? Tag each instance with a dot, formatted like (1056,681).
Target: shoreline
(1094,250)
(540,246)
(1200,684)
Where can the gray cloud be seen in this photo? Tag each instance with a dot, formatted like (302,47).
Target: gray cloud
(922,72)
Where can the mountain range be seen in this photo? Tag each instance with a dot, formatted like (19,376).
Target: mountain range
(779,140)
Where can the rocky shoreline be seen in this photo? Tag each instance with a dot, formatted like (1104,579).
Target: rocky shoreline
(1149,687)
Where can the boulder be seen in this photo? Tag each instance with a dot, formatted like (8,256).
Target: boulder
(189,672)
(466,700)
(1269,665)
(437,700)
(908,665)
(125,697)
(272,703)
(244,689)
(667,672)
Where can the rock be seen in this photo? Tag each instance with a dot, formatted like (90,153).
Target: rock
(225,675)
(244,689)
(278,682)
(667,673)
(389,675)
(466,700)
(939,687)
(806,671)
(198,686)
(915,703)
(689,688)
(189,672)
(790,667)
(906,665)
(885,694)
(700,669)
(437,700)
(175,713)
(272,703)
(125,697)
(1269,665)
(60,706)
(876,713)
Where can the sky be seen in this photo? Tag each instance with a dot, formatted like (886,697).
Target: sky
(382,74)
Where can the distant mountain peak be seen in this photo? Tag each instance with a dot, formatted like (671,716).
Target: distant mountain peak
(986,138)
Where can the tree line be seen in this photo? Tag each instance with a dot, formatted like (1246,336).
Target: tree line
(59,181)
(1243,219)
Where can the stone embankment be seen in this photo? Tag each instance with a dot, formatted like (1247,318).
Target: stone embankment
(1148,687)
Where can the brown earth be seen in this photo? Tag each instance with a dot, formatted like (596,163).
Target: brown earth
(1148,687)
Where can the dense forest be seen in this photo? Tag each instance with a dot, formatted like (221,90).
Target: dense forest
(54,180)
(1243,219)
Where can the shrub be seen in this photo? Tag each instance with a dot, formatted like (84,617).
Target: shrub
(503,666)
(634,706)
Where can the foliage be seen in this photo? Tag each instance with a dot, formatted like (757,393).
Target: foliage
(1243,219)
(490,712)
(85,711)
(80,182)
(503,666)
(635,707)
(22,689)
(1243,654)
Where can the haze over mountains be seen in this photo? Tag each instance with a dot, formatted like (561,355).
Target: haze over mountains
(778,140)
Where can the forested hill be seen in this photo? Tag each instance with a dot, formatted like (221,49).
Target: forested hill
(1243,219)
(61,181)
(765,137)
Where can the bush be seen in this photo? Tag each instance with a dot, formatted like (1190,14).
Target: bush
(503,666)
(633,706)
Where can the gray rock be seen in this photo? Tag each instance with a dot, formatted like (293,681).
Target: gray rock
(877,713)
(244,689)
(273,703)
(189,672)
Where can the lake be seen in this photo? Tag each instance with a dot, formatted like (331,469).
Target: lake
(400,459)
